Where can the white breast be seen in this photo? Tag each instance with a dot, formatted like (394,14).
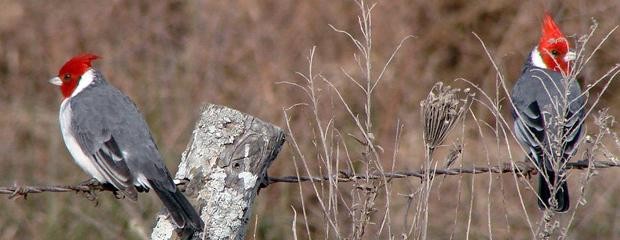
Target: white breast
(82,159)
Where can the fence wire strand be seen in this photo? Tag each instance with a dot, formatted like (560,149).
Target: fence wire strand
(522,168)
(89,188)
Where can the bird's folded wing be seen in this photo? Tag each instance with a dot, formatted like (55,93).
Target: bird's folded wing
(572,131)
(101,147)
(529,125)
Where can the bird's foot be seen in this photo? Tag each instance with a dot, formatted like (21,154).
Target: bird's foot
(90,191)
(93,182)
(118,194)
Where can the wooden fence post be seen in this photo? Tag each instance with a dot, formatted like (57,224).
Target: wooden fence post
(226,160)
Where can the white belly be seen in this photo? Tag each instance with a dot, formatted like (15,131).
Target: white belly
(82,159)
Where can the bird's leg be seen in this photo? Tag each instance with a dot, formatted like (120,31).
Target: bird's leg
(92,182)
(90,194)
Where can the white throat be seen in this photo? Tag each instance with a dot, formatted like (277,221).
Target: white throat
(87,78)
(537,60)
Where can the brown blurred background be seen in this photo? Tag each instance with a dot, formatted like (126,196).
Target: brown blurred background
(171,57)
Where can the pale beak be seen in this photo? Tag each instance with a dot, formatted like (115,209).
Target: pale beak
(55,81)
(570,56)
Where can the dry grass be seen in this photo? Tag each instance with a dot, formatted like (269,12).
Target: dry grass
(366,199)
(170,57)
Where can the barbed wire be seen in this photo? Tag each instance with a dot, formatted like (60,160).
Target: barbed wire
(89,188)
(522,168)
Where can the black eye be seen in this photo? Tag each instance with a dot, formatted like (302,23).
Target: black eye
(555,52)
(67,76)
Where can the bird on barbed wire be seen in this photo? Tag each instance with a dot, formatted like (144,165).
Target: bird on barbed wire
(109,139)
(548,112)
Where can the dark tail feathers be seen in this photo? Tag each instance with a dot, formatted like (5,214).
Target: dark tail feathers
(544,192)
(183,214)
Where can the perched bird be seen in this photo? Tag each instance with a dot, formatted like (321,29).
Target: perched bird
(109,139)
(548,113)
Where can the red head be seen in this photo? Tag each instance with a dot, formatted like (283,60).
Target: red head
(70,74)
(553,47)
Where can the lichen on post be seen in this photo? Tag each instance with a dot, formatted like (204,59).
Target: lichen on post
(225,162)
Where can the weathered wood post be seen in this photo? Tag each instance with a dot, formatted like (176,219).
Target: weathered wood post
(226,160)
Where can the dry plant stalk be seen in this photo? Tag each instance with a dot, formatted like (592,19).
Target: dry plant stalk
(441,109)
(348,210)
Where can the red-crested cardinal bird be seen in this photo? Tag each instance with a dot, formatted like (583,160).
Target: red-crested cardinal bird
(548,113)
(109,139)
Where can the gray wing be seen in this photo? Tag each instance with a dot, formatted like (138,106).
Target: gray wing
(573,127)
(102,148)
(534,93)
(529,128)
(111,129)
